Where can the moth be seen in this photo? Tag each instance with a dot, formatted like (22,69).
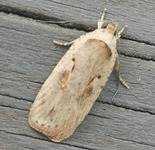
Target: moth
(70,91)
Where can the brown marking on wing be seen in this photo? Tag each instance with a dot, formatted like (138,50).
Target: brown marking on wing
(90,81)
(51,112)
(73,67)
(61,131)
(65,78)
(87,91)
(56,126)
(100,45)
(89,88)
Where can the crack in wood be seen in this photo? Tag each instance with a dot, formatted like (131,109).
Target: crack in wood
(138,142)
(15,97)
(43,139)
(128,108)
(77,26)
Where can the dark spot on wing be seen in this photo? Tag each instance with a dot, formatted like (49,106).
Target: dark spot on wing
(51,110)
(99,76)
(56,126)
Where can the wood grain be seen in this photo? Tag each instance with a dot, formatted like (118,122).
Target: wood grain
(27,57)
(137,15)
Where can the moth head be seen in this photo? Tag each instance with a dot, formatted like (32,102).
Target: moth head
(112,28)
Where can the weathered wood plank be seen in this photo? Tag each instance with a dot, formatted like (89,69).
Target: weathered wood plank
(107,127)
(27,58)
(10,141)
(141,24)
(27,46)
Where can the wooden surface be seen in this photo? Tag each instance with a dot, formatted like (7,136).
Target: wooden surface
(27,57)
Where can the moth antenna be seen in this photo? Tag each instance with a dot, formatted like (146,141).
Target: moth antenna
(101,20)
(120,32)
(118,82)
(67,21)
(116,90)
(103,14)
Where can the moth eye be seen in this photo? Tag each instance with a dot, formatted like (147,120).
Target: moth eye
(104,25)
(115,33)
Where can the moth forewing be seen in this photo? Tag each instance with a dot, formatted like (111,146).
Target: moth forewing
(68,94)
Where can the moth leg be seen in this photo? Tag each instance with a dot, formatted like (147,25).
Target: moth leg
(63,43)
(101,20)
(118,71)
(120,32)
